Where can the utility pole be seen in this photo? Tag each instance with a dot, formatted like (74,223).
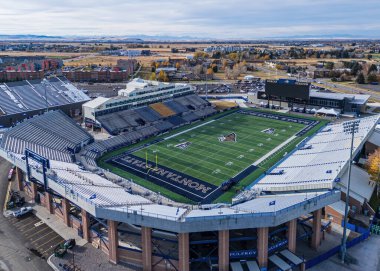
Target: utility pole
(206,88)
(349,128)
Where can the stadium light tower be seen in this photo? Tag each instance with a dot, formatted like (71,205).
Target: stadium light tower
(46,98)
(349,128)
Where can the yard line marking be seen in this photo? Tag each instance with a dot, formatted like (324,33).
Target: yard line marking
(190,129)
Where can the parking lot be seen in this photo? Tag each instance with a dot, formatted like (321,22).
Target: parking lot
(239,86)
(42,239)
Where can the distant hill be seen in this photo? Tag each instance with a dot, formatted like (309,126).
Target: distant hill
(28,37)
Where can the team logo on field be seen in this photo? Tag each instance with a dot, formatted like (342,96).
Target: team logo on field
(232,137)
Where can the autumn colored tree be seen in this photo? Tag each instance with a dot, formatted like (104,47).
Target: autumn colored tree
(373,167)
(214,68)
(210,73)
(153,76)
(177,65)
(162,76)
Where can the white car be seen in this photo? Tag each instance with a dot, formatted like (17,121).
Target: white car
(22,211)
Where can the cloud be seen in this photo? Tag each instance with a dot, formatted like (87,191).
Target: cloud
(206,18)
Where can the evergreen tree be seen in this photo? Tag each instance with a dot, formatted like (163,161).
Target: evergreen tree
(360,79)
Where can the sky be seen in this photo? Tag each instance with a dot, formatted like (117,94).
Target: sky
(233,19)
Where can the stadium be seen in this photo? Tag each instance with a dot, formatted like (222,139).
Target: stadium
(180,185)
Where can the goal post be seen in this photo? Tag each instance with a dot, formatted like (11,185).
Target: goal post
(147,161)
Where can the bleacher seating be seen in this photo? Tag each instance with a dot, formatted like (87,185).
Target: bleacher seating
(190,116)
(176,120)
(147,114)
(329,154)
(162,109)
(186,102)
(53,135)
(176,107)
(163,126)
(148,131)
(178,111)
(135,124)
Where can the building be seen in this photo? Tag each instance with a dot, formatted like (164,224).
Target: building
(129,53)
(100,74)
(225,48)
(283,92)
(137,93)
(24,99)
(146,231)
(13,75)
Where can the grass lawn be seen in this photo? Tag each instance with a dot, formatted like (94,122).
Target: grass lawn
(213,161)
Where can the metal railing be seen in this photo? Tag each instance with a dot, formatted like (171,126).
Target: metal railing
(245,213)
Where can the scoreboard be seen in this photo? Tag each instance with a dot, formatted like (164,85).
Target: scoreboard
(287,88)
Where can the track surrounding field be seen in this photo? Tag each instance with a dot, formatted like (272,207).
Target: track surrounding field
(207,158)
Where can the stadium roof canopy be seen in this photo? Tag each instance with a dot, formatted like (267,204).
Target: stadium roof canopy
(356,98)
(321,162)
(24,96)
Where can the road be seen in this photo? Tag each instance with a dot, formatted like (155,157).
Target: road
(14,252)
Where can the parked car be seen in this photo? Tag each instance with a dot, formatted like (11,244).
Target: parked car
(11,173)
(69,244)
(22,211)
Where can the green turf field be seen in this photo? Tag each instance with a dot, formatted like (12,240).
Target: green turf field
(246,124)
(214,161)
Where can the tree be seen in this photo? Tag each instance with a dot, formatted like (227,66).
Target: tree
(371,78)
(177,65)
(200,55)
(233,56)
(279,67)
(329,65)
(360,79)
(373,168)
(210,73)
(372,68)
(198,70)
(162,76)
(214,68)
(153,76)
(225,63)
(266,57)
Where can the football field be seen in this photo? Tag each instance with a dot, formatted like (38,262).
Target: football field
(220,149)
